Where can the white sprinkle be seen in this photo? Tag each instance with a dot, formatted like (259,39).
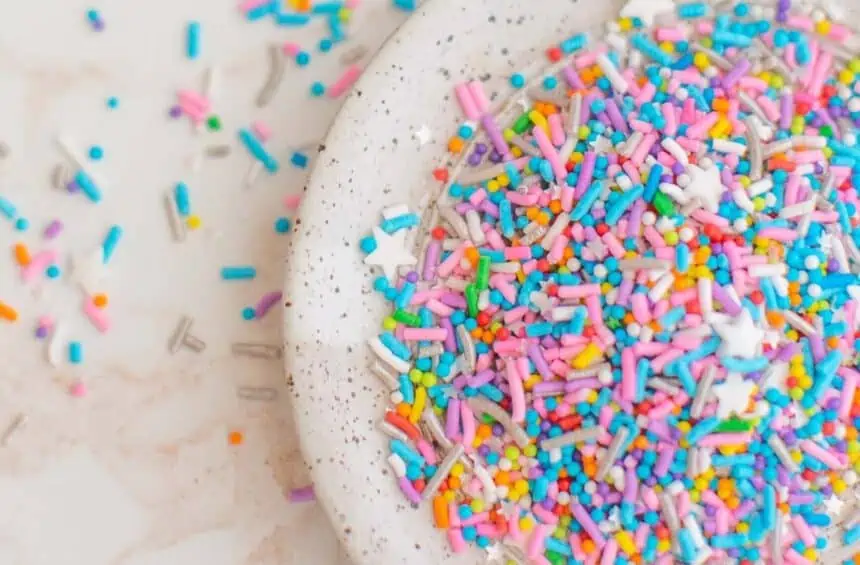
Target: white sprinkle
(767,270)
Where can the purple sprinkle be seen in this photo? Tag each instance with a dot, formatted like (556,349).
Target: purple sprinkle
(265,304)
(412,277)
(41,332)
(175,112)
(53,229)
(303,494)
(73,187)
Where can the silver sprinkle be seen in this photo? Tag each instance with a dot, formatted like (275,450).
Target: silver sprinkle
(276,76)
(218,151)
(261,393)
(257,350)
(13,427)
(178,336)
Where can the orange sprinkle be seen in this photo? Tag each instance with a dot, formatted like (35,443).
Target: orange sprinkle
(7,312)
(100,300)
(440,512)
(455,145)
(404,410)
(775,319)
(22,254)
(720,105)
(235,438)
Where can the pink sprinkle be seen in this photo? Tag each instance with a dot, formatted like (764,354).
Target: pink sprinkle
(78,389)
(262,130)
(291,49)
(46,322)
(97,316)
(248,5)
(303,494)
(293,201)
(345,82)
(352,4)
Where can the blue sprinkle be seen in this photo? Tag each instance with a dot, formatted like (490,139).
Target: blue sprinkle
(248,313)
(282,225)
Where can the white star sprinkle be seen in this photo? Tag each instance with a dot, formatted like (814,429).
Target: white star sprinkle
(834,506)
(705,185)
(646,10)
(423,135)
(733,395)
(389,253)
(741,337)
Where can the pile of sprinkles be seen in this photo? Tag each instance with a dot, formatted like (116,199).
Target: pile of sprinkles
(624,330)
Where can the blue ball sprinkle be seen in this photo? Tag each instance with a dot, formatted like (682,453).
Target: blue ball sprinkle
(21,224)
(113,102)
(282,225)
(248,313)
(52,272)
(96,153)
(303,58)
(317,89)
(518,80)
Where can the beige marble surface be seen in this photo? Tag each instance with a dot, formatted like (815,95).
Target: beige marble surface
(139,471)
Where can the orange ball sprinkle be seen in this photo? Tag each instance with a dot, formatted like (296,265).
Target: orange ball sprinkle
(235,438)
(100,300)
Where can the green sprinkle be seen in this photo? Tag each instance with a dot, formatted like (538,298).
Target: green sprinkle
(407,318)
(472,299)
(522,124)
(663,204)
(734,425)
(483,278)
(214,123)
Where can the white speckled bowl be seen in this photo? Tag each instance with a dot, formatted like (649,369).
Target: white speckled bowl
(371,161)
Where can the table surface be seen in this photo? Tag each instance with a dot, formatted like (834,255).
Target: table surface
(139,470)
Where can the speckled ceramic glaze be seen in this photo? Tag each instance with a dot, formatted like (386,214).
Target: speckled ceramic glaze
(371,161)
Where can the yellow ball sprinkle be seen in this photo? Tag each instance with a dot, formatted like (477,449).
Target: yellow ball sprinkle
(193,222)
(823,27)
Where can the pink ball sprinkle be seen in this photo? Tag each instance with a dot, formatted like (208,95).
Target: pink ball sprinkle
(292,201)
(46,321)
(78,389)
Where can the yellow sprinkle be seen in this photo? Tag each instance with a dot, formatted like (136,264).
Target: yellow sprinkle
(586,357)
(418,405)
(625,542)
(538,119)
(193,222)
